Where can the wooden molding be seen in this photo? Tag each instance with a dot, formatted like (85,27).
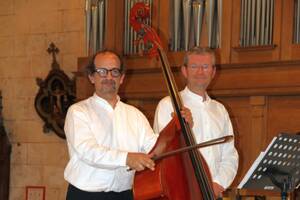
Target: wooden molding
(255,48)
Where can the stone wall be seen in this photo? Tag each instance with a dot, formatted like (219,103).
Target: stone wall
(27,28)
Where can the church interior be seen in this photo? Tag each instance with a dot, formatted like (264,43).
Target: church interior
(46,44)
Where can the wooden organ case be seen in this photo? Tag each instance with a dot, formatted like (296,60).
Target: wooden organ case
(258,82)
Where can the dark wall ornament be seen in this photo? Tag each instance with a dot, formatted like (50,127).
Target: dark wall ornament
(56,94)
(5,155)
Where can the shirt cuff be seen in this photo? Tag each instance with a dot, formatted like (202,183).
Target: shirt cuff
(123,158)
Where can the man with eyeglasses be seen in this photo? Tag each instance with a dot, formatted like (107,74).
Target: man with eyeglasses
(102,135)
(210,117)
(107,139)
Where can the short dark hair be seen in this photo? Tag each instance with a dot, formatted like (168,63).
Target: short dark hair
(91,68)
(200,51)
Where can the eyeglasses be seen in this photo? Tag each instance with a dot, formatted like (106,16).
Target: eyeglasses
(204,67)
(103,72)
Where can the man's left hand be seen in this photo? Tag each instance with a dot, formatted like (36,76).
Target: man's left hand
(218,189)
(187,115)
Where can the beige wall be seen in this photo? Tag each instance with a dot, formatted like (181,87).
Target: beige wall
(27,28)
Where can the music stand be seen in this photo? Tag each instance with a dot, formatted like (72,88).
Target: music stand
(276,169)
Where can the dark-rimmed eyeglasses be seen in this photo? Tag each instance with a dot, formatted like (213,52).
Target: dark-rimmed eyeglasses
(103,72)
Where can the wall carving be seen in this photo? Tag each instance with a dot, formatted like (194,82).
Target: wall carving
(56,94)
(5,152)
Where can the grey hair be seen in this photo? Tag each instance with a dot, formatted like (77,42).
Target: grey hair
(200,51)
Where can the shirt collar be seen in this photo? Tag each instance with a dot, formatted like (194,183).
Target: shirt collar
(195,96)
(104,102)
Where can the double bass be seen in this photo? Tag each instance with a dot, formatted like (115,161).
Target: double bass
(184,175)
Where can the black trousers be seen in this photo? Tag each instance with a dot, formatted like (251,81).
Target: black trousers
(77,194)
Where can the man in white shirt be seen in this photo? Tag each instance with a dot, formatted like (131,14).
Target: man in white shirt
(104,136)
(211,120)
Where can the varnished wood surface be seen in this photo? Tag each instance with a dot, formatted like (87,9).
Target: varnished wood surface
(260,86)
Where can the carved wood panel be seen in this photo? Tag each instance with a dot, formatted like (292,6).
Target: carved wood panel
(262,94)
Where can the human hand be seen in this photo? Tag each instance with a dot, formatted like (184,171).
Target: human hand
(218,189)
(187,115)
(139,161)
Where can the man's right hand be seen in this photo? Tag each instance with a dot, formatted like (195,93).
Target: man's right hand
(139,161)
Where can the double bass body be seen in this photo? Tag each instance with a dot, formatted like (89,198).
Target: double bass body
(173,177)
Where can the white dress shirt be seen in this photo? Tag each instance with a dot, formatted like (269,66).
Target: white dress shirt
(99,138)
(211,120)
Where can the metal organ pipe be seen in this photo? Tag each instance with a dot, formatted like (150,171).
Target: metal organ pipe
(95,15)
(256,22)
